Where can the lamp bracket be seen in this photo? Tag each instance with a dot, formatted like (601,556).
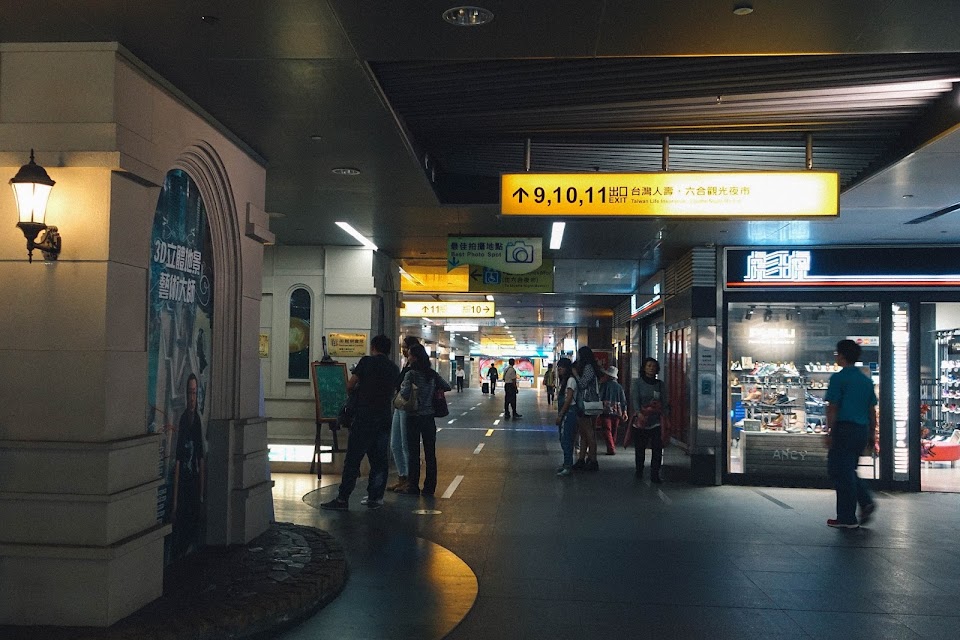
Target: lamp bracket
(49,241)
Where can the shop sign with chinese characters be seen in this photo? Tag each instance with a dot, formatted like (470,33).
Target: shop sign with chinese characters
(448,309)
(506,254)
(775,194)
(348,345)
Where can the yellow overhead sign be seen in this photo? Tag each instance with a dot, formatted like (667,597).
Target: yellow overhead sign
(434,279)
(432,309)
(775,194)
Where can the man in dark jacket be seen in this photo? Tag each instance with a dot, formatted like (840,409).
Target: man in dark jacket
(373,381)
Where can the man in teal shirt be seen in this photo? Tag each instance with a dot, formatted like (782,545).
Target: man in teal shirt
(852,422)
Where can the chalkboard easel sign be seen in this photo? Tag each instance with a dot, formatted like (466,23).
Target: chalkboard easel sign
(329,388)
(330,394)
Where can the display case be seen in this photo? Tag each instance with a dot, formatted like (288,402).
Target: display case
(780,359)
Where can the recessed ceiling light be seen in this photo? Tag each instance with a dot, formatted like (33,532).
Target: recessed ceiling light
(908,195)
(316,138)
(489,298)
(468,16)
(345,171)
(742,9)
(210,19)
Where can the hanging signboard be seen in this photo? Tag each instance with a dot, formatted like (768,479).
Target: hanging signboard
(487,280)
(775,194)
(433,309)
(506,254)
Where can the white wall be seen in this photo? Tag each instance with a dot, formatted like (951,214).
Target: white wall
(344,299)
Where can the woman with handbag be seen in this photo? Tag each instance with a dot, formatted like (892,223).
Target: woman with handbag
(588,408)
(649,402)
(416,398)
(398,431)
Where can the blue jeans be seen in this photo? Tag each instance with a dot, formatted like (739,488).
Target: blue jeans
(398,442)
(568,431)
(372,443)
(848,440)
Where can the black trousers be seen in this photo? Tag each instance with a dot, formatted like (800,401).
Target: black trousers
(375,444)
(422,427)
(459,384)
(653,437)
(509,398)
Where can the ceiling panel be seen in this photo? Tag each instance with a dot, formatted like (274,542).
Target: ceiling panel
(431,114)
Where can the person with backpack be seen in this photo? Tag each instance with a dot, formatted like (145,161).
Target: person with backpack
(588,389)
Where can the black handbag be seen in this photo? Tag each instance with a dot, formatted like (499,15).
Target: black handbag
(440,409)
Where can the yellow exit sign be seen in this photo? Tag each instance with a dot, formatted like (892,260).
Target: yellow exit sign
(775,194)
(448,309)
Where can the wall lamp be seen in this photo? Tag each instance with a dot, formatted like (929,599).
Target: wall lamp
(31,188)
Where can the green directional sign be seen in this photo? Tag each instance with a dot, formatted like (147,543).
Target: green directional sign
(502,253)
(487,280)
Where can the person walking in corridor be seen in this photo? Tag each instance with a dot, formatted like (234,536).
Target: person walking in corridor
(510,390)
(420,421)
(373,381)
(851,423)
(649,403)
(550,382)
(460,375)
(493,375)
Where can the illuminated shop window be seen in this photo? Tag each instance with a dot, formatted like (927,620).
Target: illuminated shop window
(299,359)
(781,358)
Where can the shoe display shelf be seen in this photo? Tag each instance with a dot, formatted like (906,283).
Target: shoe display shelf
(782,397)
(769,393)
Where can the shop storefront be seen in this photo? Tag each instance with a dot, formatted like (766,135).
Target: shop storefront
(784,311)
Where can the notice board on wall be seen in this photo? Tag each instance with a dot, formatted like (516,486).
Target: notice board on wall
(329,388)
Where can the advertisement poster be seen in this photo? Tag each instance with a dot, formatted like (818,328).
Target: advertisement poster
(179,332)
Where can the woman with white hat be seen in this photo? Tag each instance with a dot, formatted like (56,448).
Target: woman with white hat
(614,408)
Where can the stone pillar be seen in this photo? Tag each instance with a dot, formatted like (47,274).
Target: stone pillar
(79,539)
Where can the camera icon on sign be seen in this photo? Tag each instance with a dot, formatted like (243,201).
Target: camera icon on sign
(519,251)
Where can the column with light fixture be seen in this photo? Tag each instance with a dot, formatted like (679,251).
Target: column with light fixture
(78,494)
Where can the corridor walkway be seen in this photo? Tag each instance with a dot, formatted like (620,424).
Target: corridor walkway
(511,551)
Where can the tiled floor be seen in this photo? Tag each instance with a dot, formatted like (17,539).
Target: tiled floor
(606,555)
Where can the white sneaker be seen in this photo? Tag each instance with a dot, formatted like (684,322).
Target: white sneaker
(371,504)
(564,471)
